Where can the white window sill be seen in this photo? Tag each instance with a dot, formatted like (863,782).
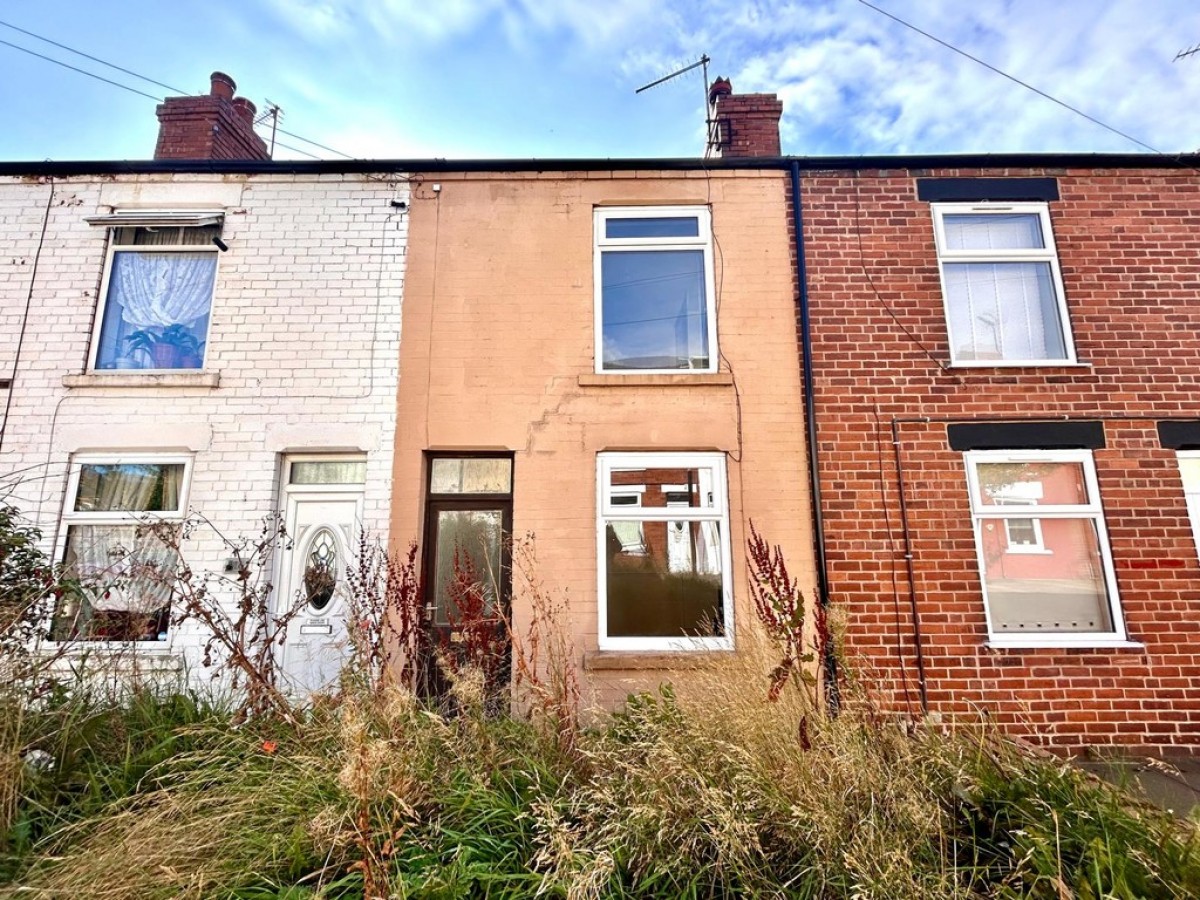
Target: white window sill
(1063,643)
(655,379)
(1019,364)
(1014,551)
(124,379)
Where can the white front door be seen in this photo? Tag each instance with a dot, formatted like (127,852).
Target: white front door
(323,524)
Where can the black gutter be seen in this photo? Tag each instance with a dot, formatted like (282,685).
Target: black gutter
(833,692)
(1182,162)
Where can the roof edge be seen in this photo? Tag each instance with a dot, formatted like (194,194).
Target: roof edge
(51,168)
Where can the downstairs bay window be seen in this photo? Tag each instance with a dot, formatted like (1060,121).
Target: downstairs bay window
(121,517)
(158,290)
(663,547)
(1043,550)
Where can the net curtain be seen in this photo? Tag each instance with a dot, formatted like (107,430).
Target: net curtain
(162,289)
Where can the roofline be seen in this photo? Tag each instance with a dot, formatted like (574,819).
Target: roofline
(51,168)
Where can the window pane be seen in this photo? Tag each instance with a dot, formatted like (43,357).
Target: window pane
(665,226)
(127,573)
(1032,483)
(470,475)
(467,565)
(664,579)
(1003,311)
(686,486)
(129,487)
(1189,469)
(1022,533)
(654,312)
(1061,590)
(157,309)
(346,471)
(1019,231)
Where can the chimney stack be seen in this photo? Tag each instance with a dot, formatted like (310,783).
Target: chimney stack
(746,124)
(216,125)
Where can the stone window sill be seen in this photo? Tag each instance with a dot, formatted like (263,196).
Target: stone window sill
(695,379)
(143,379)
(624,661)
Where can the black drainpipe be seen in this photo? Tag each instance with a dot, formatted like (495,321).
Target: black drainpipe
(908,565)
(810,420)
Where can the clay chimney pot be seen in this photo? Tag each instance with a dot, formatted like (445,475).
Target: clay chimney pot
(222,86)
(246,109)
(720,88)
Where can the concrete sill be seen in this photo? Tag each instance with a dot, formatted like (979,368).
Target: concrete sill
(693,379)
(1033,366)
(1098,644)
(622,660)
(143,380)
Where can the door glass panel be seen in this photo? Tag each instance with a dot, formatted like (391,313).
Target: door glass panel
(470,475)
(329,471)
(321,570)
(664,579)
(467,565)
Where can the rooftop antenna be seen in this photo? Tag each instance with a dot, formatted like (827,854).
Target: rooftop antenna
(273,112)
(701,63)
(1188,52)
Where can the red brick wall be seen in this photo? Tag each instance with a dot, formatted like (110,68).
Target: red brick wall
(209,126)
(1129,246)
(748,124)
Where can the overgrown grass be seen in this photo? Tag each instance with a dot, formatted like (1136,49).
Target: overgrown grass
(702,791)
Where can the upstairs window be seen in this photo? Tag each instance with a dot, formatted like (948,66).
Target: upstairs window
(654,290)
(1002,285)
(1043,549)
(126,569)
(158,291)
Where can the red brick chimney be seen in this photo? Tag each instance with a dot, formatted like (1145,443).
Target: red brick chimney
(215,125)
(746,124)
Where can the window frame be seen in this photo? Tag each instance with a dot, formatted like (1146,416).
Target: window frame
(1048,254)
(703,241)
(69,517)
(112,225)
(1092,510)
(1191,496)
(719,513)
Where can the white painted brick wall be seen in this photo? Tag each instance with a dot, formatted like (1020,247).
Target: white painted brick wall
(305,336)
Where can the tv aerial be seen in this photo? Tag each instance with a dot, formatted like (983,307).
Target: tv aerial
(274,112)
(709,121)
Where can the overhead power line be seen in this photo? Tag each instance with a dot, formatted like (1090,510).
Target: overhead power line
(1014,79)
(141,77)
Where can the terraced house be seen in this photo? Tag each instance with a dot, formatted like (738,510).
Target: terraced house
(206,332)
(959,392)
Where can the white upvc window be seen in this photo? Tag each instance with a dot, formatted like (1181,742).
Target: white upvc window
(104,540)
(1189,471)
(654,296)
(157,290)
(1002,285)
(1065,593)
(664,571)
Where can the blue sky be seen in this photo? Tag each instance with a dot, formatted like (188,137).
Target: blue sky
(555,78)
